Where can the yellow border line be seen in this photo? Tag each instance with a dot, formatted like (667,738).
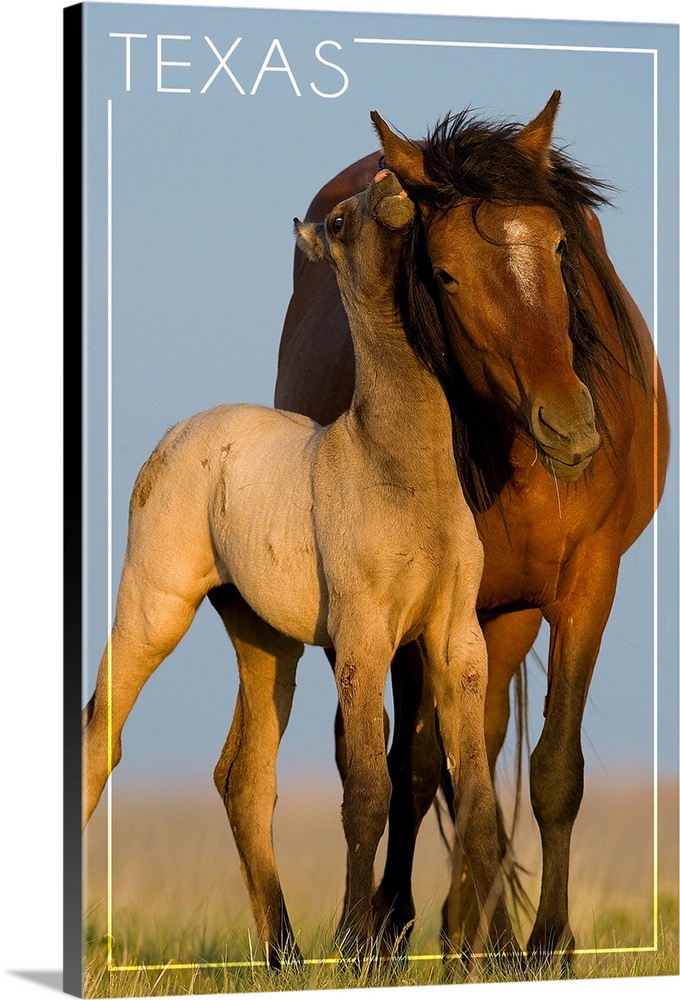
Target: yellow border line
(259,963)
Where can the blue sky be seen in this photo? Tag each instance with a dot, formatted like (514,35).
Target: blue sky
(207,172)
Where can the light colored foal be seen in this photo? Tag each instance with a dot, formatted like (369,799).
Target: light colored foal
(354,536)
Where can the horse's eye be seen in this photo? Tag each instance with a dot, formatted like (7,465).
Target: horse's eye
(444,276)
(561,247)
(337,224)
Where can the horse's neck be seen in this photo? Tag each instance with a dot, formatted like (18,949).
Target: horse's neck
(398,407)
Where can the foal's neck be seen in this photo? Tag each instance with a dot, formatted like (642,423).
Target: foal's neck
(398,407)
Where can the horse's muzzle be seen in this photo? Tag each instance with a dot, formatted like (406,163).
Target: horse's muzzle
(566,435)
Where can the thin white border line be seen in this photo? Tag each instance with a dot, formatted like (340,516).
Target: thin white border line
(501,45)
(109,502)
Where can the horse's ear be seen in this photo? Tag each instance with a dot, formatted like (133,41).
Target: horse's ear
(403,157)
(535,138)
(309,239)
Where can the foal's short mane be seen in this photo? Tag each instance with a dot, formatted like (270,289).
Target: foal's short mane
(468,158)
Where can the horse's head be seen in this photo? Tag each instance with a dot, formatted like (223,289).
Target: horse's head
(362,239)
(497,243)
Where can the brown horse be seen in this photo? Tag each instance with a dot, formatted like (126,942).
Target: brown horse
(562,439)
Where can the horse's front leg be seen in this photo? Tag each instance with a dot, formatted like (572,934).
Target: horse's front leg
(414,764)
(577,621)
(245,774)
(363,655)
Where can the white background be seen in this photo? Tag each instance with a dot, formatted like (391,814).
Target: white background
(30,401)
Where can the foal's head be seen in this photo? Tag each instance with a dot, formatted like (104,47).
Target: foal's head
(363,239)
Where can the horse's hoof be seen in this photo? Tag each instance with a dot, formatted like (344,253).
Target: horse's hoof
(509,961)
(549,947)
(392,924)
(361,966)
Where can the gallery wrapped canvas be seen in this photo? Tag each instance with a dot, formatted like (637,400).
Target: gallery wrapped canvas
(372,583)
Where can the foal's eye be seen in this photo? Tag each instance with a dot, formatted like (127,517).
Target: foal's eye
(337,224)
(444,276)
(561,247)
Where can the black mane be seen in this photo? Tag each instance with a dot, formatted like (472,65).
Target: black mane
(465,157)
(468,157)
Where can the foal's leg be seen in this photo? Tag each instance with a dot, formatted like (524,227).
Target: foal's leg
(508,637)
(414,764)
(245,774)
(149,623)
(363,655)
(456,656)
(341,763)
(339,728)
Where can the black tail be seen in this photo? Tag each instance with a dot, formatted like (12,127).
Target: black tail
(512,870)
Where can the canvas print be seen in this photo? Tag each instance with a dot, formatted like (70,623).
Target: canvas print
(372,669)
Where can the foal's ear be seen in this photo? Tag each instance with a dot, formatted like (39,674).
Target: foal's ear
(395,212)
(403,157)
(309,239)
(535,138)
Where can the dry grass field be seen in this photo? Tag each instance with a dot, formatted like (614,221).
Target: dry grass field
(178,897)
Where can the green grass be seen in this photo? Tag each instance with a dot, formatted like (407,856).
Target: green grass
(211,971)
(178,898)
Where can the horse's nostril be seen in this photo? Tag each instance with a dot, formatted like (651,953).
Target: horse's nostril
(564,436)
(549,427)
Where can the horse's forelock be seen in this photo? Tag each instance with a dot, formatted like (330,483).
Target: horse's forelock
(469,157)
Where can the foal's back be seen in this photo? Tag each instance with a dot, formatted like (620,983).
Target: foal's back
(249,470)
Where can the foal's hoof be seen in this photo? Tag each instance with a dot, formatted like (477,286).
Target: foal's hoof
(361,954)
